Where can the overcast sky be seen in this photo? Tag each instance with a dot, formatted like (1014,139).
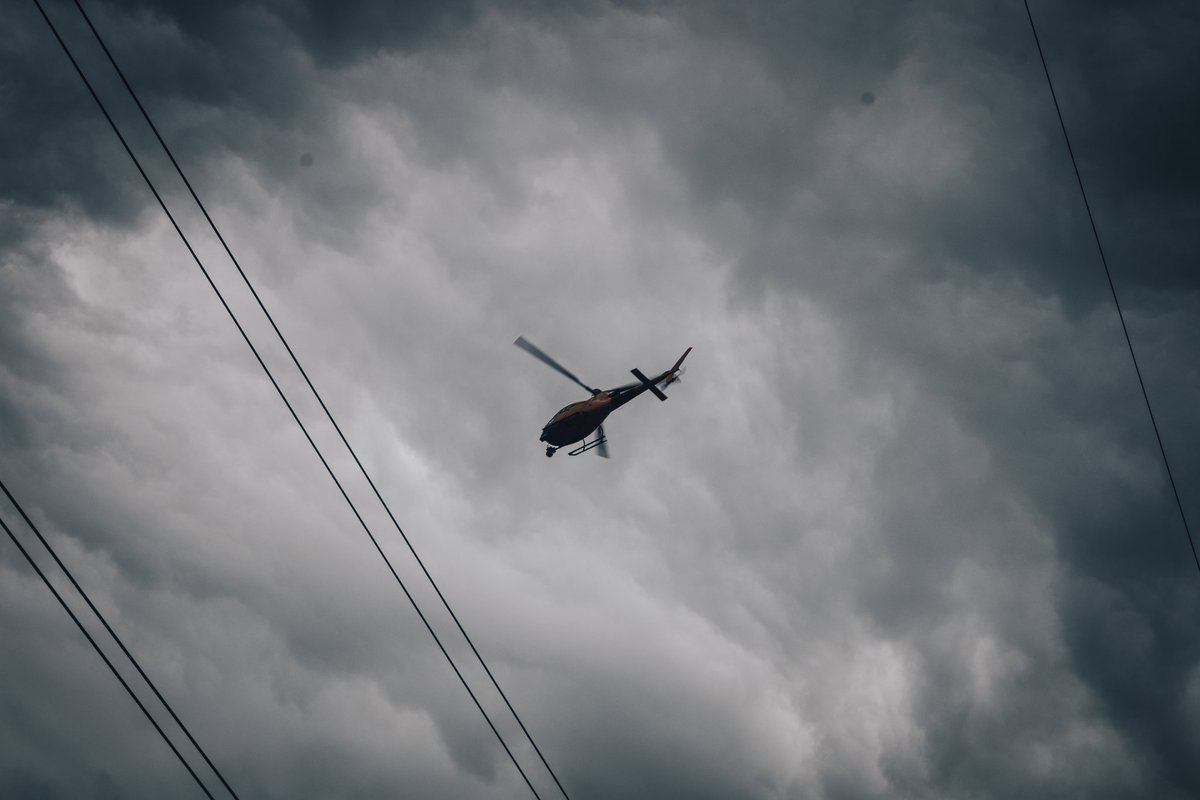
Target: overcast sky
(903,530)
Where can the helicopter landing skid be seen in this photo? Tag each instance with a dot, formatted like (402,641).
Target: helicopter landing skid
(583,448)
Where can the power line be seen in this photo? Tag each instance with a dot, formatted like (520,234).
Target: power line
(320,400)
(279,390)
(1113,288)
(107,663)
(121,644)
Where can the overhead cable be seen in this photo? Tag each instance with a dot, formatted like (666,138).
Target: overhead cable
(282,396)
(1113,289)
(121,644)
(124,685)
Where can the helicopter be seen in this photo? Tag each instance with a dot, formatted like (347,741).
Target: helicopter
(575,422)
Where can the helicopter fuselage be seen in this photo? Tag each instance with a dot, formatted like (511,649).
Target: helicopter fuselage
(578,420)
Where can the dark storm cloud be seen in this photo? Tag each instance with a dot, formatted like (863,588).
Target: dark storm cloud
(1122,77)
(1124,84)
(53,151)
(1004,203)
(1116,537)
(247,69)
(333,33)
(58,150)
(904,533)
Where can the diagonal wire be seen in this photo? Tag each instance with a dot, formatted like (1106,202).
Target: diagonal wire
(282,396)
(1113,288)
(108,663)
(117,639)
(313,388)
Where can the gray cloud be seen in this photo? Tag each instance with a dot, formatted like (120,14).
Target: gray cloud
(902,530)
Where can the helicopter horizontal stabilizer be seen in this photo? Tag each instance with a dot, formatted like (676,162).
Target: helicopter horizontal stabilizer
(637,373)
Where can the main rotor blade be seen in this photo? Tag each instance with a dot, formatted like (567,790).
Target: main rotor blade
(536,352)
(602,448)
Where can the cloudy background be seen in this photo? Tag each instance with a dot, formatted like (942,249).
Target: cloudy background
(903,530)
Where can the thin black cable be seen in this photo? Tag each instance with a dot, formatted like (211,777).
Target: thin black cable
(104,621)
(107,663)
(295,360)
(279,390)
(1113,288)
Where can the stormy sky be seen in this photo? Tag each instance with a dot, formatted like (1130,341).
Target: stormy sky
(903,530)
